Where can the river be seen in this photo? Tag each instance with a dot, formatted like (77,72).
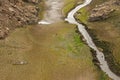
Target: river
(52,13)
(103,64)
(70,18)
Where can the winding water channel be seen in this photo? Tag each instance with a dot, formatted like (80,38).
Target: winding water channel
(103,64)
(70,18)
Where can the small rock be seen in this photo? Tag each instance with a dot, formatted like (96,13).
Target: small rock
(20,63)
(3,32)
(100,49)
(11,9)
(117,2)
(32,1)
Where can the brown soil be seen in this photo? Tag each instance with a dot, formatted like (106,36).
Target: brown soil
(16,13)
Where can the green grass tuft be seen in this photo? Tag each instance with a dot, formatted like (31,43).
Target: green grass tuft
(82,15)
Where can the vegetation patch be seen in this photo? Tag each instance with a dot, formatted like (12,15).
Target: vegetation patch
(69,5)
(82,15)
(104,76)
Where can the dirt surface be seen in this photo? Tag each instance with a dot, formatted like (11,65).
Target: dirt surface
(16,13)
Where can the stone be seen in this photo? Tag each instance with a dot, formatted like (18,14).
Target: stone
(15,13)
(32,1)
(3,32)
(20,63)
(117,2)
(101,12)
(11,9)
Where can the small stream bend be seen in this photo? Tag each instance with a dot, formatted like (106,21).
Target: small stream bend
(103,64)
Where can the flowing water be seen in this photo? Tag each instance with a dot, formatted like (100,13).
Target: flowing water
(53,11)
(53,15)
(103,64)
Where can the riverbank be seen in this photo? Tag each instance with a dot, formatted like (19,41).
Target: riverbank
(105,34)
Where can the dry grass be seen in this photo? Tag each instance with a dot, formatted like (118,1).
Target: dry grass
(46,48)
